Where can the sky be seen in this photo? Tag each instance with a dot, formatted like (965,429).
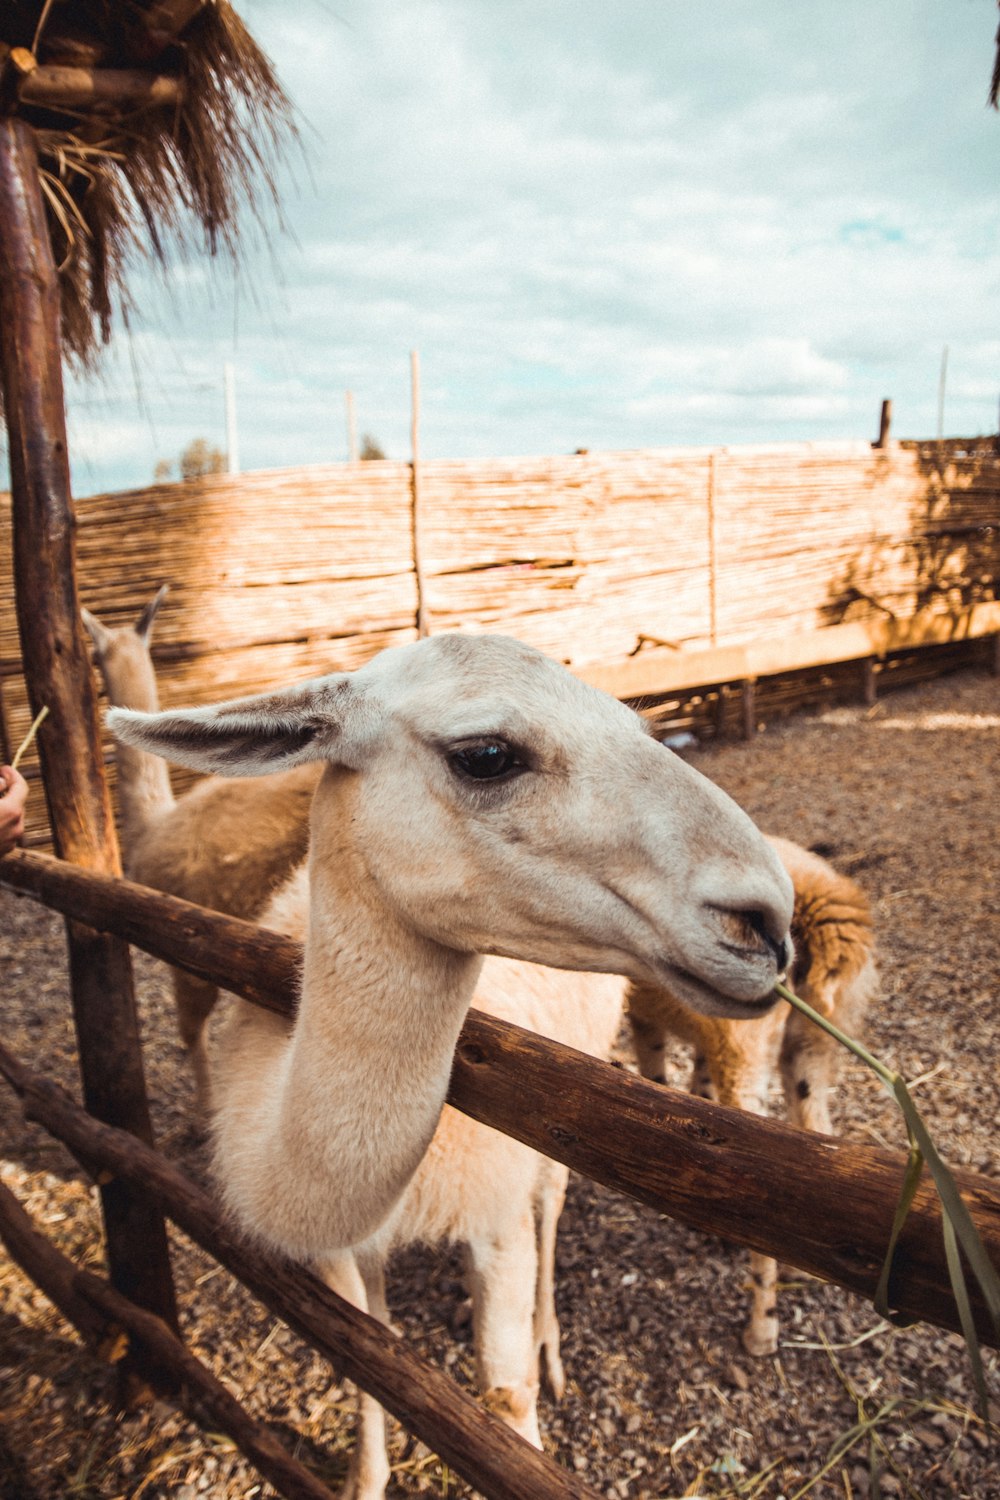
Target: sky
(602,226)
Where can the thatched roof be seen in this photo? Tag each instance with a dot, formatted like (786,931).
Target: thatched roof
(155,120)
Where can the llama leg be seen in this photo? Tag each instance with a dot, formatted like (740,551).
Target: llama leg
(368,1474)
(740,1076)
(504,1276)
(701,1084)
(551,1197)
(195,1000)
(649,1038)
(809,1060)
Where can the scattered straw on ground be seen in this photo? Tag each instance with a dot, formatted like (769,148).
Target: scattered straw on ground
(662,1400)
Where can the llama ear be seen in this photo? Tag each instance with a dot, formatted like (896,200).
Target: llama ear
(144,624)
(99,634)
(252,736)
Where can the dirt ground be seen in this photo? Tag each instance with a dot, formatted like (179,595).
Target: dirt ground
(662,1400)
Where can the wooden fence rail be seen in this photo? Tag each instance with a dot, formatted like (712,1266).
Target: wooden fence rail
(476,1444)
(108,1322)
(818,1203)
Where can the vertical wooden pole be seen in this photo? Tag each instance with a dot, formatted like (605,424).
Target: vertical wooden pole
(748,706)
(423,623)
(58,675)
(884,425)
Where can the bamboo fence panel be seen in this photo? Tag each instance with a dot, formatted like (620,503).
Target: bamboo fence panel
(287,574)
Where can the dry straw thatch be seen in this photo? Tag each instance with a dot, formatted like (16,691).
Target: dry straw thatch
(155,122)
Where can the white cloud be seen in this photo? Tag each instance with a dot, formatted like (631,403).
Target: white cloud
(601,226)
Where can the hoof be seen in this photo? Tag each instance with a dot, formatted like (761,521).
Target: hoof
(760,1342)
(555,1375)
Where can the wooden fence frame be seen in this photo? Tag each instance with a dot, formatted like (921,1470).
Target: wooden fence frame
(821,1204)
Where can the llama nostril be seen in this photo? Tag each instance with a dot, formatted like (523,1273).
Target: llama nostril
(781,947)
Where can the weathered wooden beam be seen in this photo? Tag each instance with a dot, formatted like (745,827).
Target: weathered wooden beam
(260,965)
(53,86)
(49,1269)
(660,670)
(821,1204)
(58,674)
(103,1317)
(476,1444)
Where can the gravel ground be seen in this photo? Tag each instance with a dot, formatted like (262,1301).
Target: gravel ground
(662,1400)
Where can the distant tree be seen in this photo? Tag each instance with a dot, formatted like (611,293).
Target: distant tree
(199,458)
(371,447)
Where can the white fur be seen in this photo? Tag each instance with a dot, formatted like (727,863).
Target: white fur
(477,1187)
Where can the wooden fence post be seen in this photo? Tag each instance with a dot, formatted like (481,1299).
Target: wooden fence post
(58,674)
(885,425)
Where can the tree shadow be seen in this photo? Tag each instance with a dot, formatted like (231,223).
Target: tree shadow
(948,561)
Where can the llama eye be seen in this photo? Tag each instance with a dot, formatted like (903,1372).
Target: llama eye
(486,762)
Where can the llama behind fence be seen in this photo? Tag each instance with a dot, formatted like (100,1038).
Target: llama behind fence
(476,798)
(475,1186)
(735,1061)
(225,844)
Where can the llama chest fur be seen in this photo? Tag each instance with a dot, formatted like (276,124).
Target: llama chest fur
(470,1172)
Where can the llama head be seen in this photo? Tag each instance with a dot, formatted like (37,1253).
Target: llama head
(122,654)
(502,806)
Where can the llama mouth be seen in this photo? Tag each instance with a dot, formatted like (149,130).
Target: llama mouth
(712,1000)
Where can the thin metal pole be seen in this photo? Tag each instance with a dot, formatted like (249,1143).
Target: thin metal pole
(423,623)
(232,436)
(942,382)
(352,428)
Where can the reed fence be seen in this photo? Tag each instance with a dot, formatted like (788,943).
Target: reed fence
(647,572)
(283,575)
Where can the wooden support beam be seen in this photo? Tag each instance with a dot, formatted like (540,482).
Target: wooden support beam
(818,1203)
(476,1444)
(661,670)
(57,669)
(58,87)
(748,707)
(104,1318)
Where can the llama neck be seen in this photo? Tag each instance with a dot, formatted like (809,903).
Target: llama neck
(351,1100)
(144,789)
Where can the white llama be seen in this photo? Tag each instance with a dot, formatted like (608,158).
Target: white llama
(736,1060)
(475,798)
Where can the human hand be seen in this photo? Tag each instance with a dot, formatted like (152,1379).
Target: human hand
(12,801)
